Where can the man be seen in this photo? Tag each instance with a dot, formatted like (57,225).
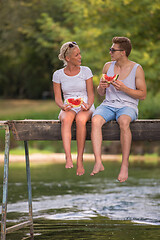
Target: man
(121,102)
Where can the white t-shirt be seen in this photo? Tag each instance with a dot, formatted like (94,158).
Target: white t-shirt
(73,86)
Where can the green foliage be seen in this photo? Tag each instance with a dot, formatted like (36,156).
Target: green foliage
(32,32)
(29,45)
(150,108)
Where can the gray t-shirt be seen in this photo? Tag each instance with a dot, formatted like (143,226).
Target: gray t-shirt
(73,86)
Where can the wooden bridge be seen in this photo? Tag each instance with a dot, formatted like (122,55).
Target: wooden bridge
(26,130)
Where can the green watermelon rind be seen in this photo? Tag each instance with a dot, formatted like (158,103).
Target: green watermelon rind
(116,77)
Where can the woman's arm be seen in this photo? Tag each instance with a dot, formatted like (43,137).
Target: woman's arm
(58,97)
(90,93)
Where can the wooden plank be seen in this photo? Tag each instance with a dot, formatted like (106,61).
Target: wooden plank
(18,226)
(142,130)
(36,130)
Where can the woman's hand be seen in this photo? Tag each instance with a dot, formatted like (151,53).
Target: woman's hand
(66,107)
(85,106)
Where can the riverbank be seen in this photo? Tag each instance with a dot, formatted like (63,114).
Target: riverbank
(60,158)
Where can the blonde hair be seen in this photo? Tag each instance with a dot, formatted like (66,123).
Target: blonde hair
(65,50)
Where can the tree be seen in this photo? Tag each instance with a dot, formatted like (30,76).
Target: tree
(32,32)
(29,43)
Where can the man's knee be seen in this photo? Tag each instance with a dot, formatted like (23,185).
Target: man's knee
(98,121)
(124,122)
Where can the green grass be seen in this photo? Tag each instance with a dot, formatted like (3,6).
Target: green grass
(28,109)
(20,151)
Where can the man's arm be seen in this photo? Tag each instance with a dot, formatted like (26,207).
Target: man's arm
(141,90)
(101,89)
(141,84)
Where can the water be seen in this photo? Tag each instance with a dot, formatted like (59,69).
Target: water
(66,206)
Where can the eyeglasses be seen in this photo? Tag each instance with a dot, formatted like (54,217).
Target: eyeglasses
(71,45)
(112,50)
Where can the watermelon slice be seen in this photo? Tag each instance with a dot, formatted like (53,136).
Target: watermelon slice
(75,102)
(110,79)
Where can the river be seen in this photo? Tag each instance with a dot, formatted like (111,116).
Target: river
(66,206)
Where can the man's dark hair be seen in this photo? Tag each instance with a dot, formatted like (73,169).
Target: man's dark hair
(124,43)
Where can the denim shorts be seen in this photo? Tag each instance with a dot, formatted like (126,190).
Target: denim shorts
(112,113)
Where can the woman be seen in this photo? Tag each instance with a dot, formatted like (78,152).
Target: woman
(75,81)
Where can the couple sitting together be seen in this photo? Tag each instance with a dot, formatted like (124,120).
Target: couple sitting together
(120,103)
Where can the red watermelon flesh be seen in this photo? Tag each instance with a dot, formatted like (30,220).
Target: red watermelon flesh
(110,79)
(75,102)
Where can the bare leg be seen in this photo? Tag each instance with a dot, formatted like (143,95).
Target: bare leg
(96,136)
(81,118)
(67,119)
(125,138)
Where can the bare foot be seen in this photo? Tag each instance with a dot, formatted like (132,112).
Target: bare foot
(80,171)
(80,168)
(98,167)
(69,164)
(123,175)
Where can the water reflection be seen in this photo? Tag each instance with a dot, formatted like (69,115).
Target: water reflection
(59,195)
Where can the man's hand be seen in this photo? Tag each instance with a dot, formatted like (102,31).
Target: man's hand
(103,84)
(119,85)
(102,87)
